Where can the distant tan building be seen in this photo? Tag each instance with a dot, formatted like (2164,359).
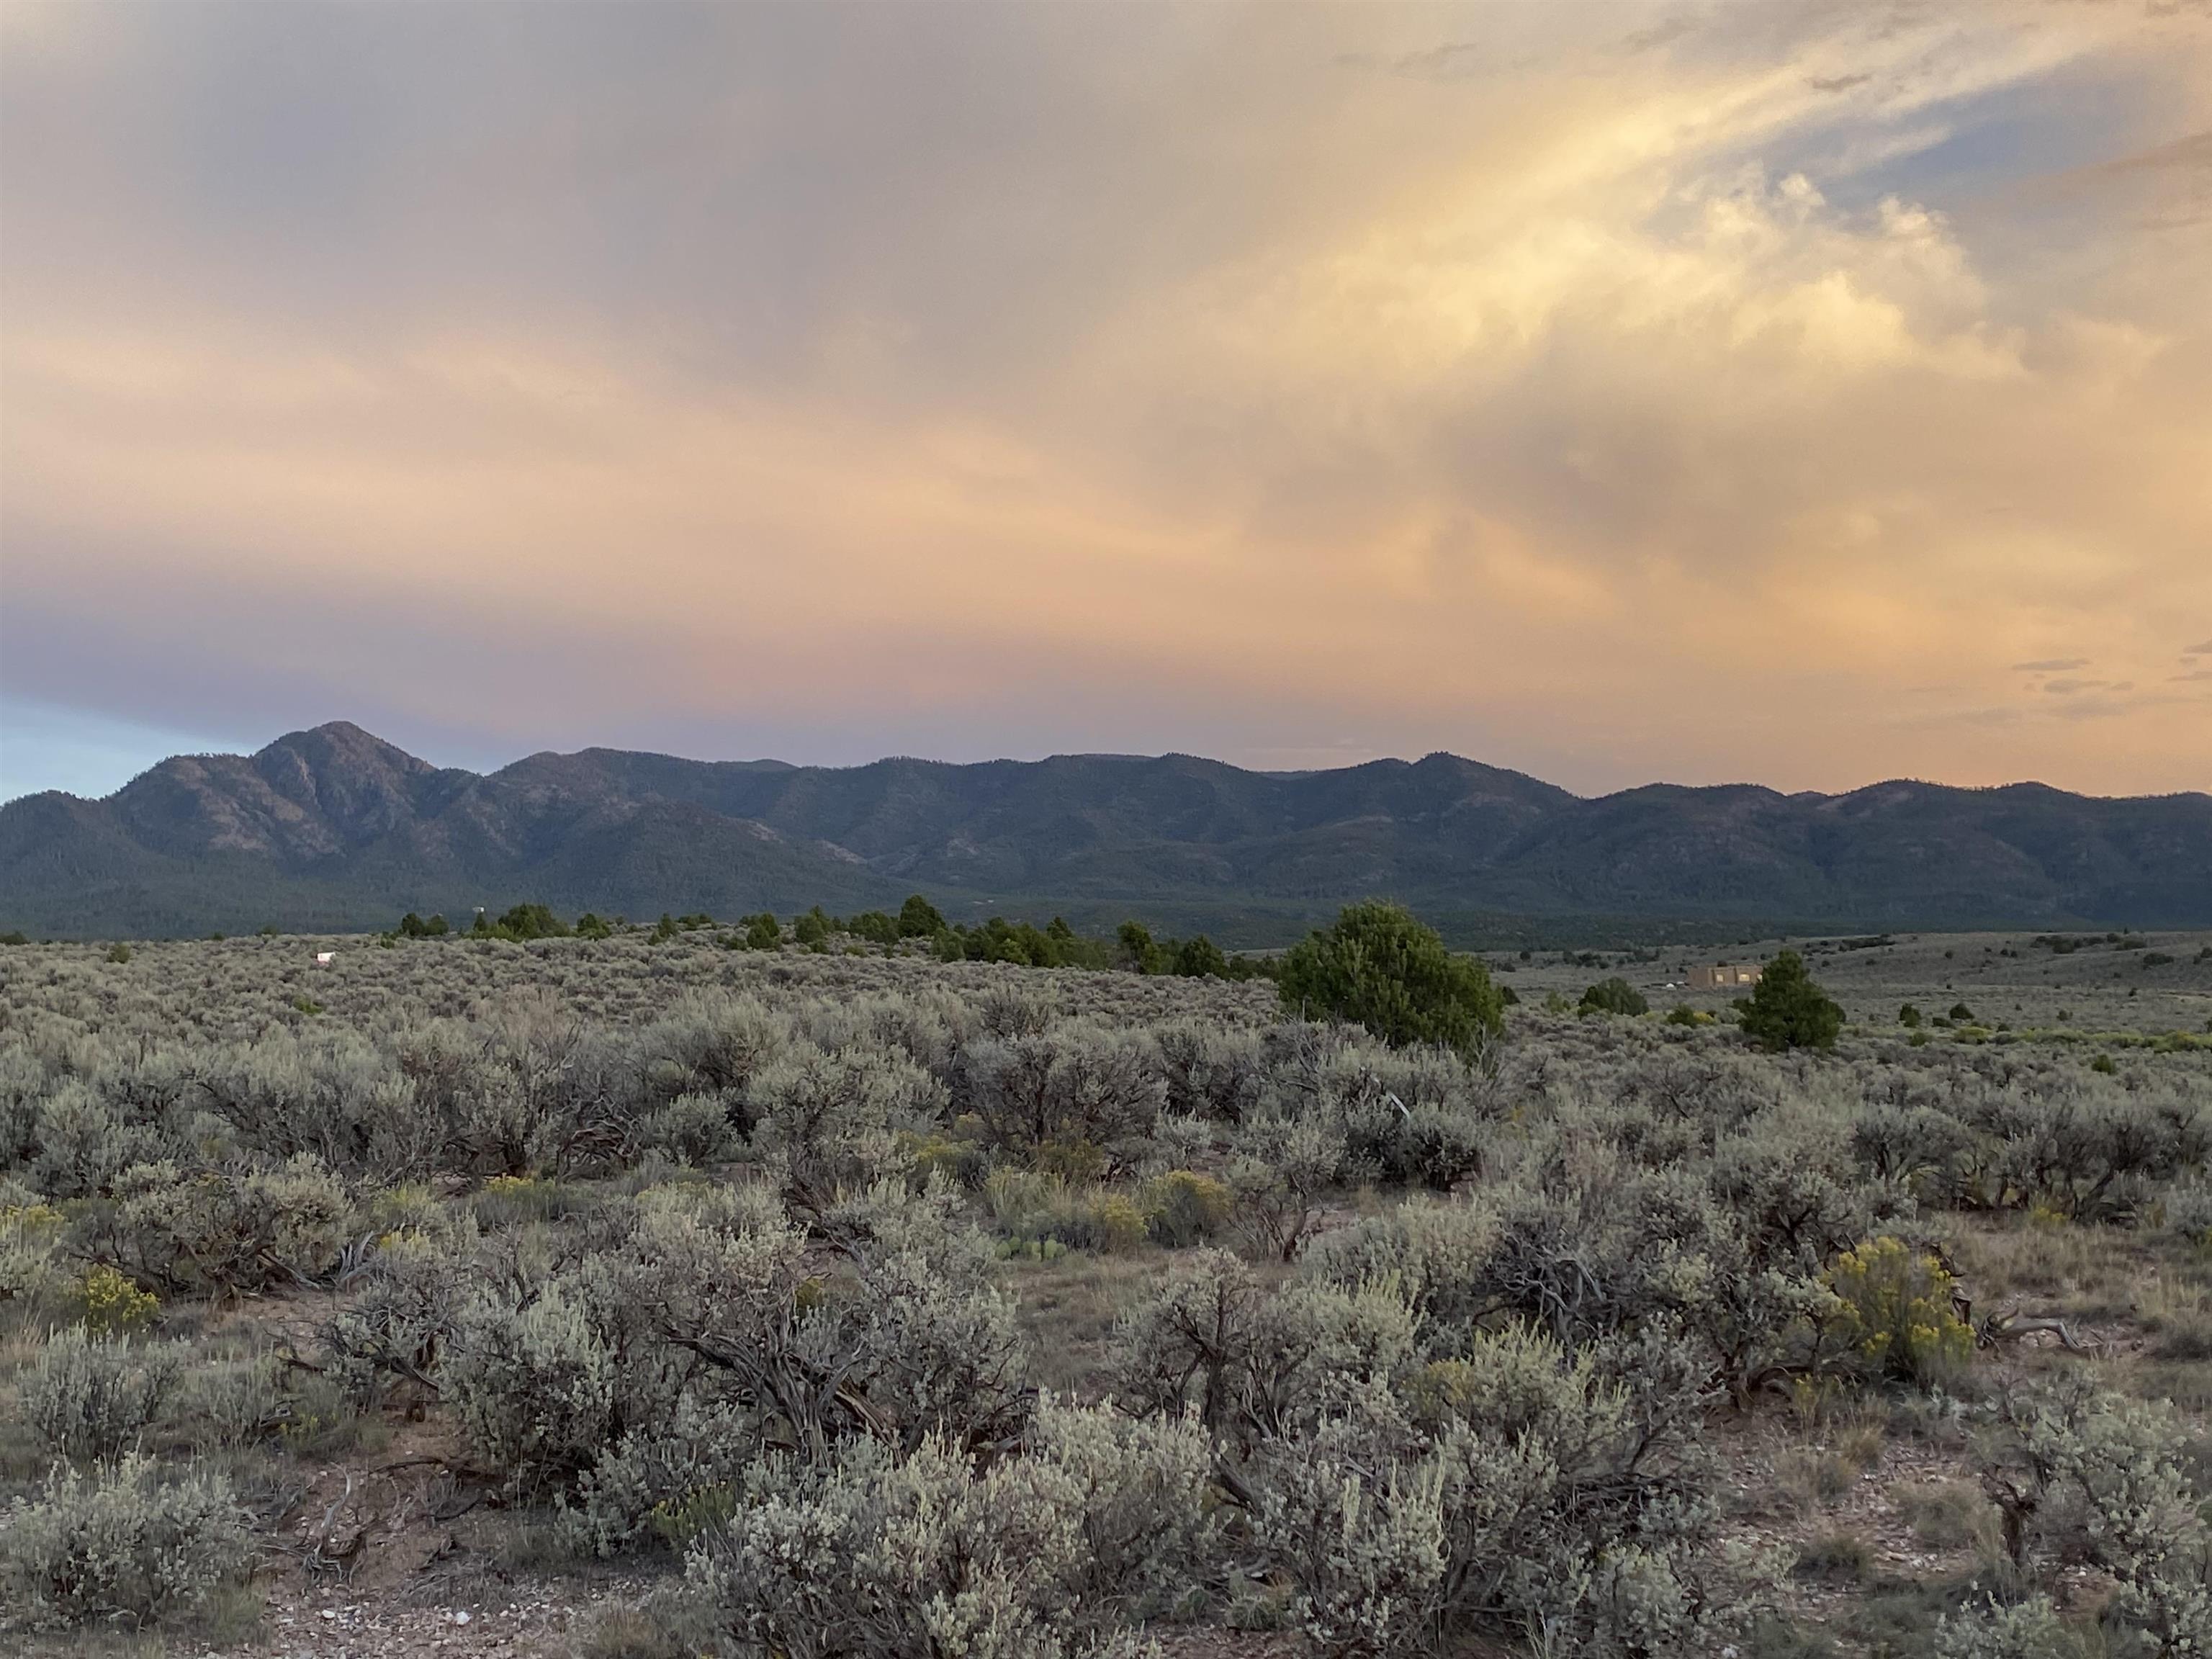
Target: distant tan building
(1724,976)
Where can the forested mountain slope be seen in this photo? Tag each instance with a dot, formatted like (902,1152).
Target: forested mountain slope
(335,828)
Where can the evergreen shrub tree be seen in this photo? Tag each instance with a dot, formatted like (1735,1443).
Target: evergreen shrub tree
(1614,996)
(919,919)
(1382,968)
(1787,1009)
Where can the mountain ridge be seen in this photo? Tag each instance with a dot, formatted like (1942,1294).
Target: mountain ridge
(332,827)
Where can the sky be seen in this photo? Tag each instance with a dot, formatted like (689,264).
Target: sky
(1807,395)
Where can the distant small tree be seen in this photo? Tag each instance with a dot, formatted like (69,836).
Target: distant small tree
(812,929)
(1614,996)
(1961,1015)
(1909,1016)
(665,929)
(764,933)
(523,922)
(1382,967)
(1140,950)
(1787,1009)
(919,919)
(877,927)
(590,925)
(1199,958)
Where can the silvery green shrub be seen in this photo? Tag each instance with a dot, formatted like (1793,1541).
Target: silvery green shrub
(1435,1251)
(663,1477)
(2088,1151)
(1491,1492)
(2188,1211)
(1176,1143)
(690,1129)
(220,1230)
(91,1397)
(2026,1630)
(884,1322)
(1410,1117)
(84,1142)
(1033,1555)
(927,1024)
(221,1404)
(1361,1536)
(23,1086)
(1081,1084)
(533,1383)
(937,1342)
(708,1043)
(330,1095)
(120,1543)
(2079,1473)
(1209,1071)
(830,1123)
(1189,1346)
(1141,1487)
(35,1280)
(1280,1168)
(404,1309)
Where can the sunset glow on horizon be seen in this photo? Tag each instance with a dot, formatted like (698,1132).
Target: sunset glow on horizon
(1805,395)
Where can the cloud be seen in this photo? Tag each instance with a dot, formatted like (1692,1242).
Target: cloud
(2200,650)
(1662,33)
(1451,60)
(2191,154)
(1083,379)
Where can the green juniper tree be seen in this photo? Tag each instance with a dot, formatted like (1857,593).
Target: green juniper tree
(1383,968)
(1614,996)
(1787,1009)
(919,919)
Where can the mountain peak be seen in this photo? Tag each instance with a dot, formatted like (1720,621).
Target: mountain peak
(333,824)
(341,743)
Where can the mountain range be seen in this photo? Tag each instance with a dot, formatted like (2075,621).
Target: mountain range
(334,829)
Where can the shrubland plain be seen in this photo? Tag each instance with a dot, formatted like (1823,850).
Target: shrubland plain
(697,1289)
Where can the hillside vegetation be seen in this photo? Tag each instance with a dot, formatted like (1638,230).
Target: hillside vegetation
(333,829)
(639,1295)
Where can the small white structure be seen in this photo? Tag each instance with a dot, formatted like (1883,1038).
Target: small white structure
(324,958)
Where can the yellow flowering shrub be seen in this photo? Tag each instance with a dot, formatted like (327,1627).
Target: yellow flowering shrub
(1185,1207)
(1120,1224)
(1895,1315)
(114,1306)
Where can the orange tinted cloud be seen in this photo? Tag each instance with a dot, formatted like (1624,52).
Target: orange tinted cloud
(1748,398)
